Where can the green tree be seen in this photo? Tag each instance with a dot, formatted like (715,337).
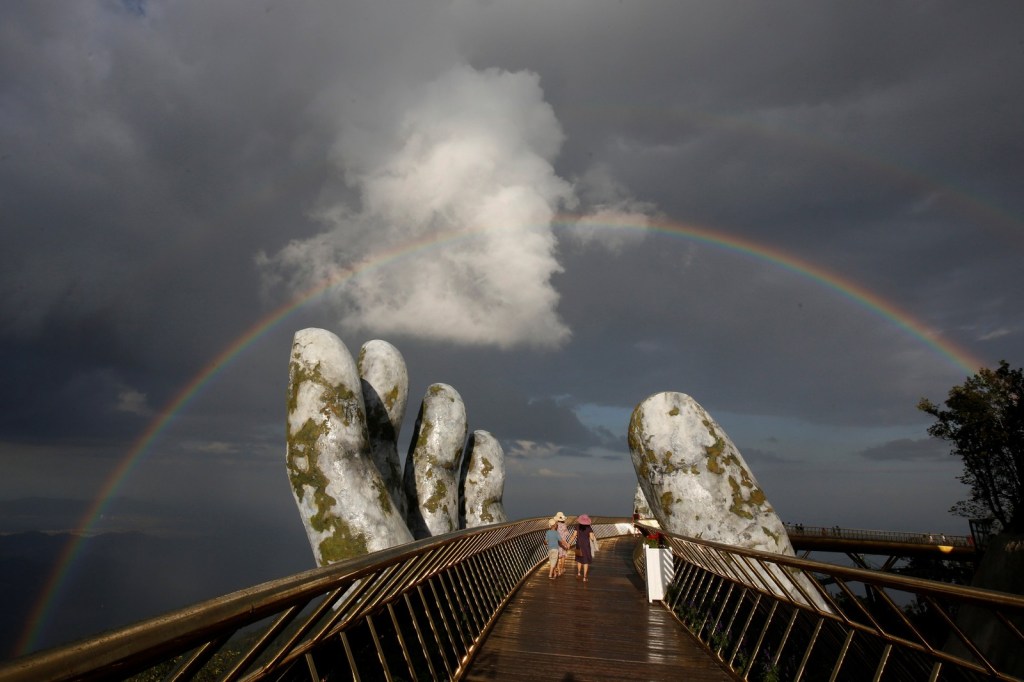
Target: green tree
(983,419)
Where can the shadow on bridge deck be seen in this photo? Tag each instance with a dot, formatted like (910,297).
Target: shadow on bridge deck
(604,629)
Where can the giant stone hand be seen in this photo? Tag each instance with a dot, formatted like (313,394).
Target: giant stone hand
(698,485)
(343,500)
(385,383)
(695,479)
(432,465)
(482,482)
(342,434)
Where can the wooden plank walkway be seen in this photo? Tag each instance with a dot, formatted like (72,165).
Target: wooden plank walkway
(604,629)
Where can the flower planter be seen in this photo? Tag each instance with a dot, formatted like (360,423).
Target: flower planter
(659,571)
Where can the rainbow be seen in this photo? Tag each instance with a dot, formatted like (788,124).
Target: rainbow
(994,219)
(845,287)
(51,592)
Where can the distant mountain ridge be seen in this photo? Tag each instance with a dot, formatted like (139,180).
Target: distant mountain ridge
(65,515)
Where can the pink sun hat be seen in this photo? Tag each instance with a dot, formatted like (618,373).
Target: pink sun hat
(583,519)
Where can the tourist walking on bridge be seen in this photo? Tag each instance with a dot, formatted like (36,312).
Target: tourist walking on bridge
(553,542)
(586,543)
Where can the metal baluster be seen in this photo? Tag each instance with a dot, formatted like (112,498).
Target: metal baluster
(379,591)
(279,624)
(357,591)
(695,574)
(455,610)
(714,584)
(401,641)
(289,646)
(842,656)
(746,624)
(433,627)
(191,665)
(760,638)
(736,609)
(472,597)
(380,649)
(881,662)
(718,617)
(807,651)
(443,559)
(696,592)
(445,613)
(785,635)
(314,676)
(682,582)
(419,635)
(479,569)
(348,654)
(462,576)
(500,579)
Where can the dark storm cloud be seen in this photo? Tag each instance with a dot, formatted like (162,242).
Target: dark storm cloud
(651,67)
(780,120)
(547,420)
(178,157)
(908,450)
(710,320)
(175,195)
(757,458)
(143,167)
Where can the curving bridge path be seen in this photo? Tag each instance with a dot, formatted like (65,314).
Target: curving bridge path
(603,629)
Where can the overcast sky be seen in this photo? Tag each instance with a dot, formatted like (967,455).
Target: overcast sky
(806,215)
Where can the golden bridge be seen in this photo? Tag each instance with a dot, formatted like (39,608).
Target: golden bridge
(478,605)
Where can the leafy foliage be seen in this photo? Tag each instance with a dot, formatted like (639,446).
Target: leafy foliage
(984,421)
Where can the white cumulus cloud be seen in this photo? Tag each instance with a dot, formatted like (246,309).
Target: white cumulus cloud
(446,230)
(528,449)
(453,234)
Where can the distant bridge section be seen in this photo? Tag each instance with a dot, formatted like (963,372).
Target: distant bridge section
(895,545)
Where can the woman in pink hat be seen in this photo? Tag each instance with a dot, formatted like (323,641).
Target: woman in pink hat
(586,543)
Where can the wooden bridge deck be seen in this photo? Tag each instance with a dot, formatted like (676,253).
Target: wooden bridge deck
(604,629)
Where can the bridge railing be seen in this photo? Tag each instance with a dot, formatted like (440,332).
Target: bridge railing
(415,611)
(768,616)
(422,610)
